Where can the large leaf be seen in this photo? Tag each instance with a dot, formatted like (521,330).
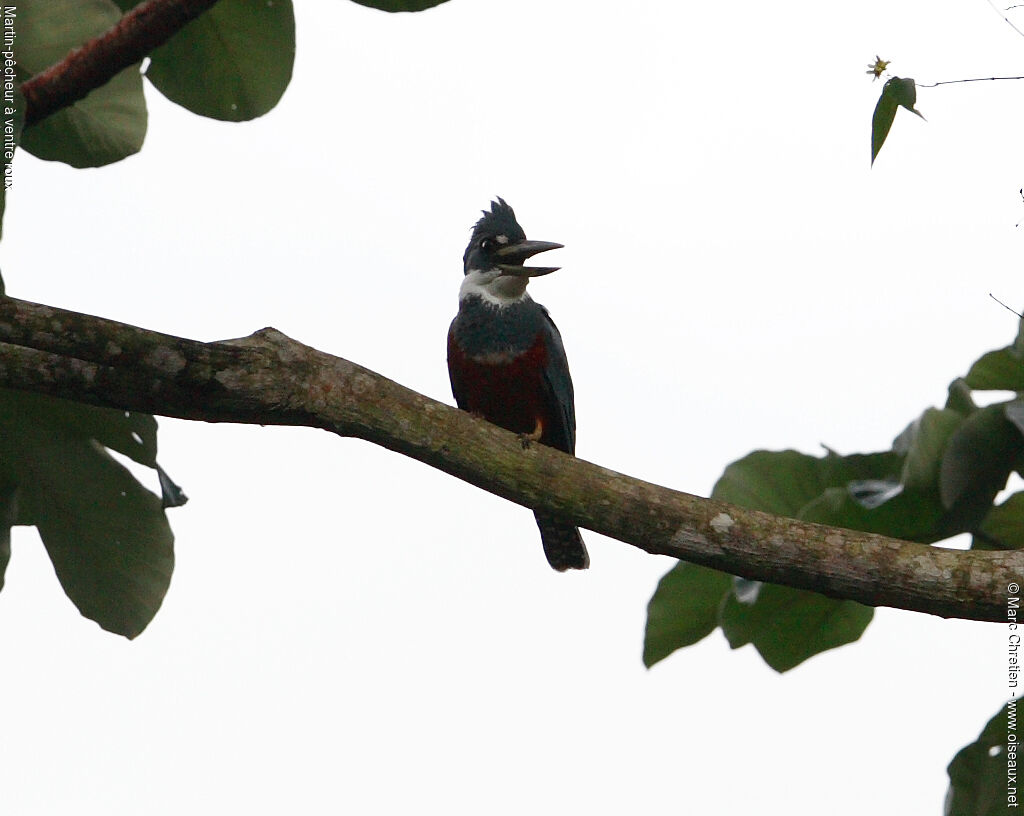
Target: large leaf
(233,62)
(110,123)
(683,609)
(978,773)
(107,536)
(787,626)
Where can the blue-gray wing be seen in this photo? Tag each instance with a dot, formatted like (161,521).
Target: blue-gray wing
(556,375)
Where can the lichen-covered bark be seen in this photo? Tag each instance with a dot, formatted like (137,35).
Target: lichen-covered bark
(270,379)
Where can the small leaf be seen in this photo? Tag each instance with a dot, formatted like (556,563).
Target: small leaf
(110,123)
(232,63)
(977,774)
(904,91)
(787,626)
(400,5)
(1001,370)
(683,609)
(897,92)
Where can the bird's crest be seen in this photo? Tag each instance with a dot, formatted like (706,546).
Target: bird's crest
(500,220)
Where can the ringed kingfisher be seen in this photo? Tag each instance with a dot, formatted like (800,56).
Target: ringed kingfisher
(506,360)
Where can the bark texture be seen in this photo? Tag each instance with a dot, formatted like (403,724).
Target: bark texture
(270,379)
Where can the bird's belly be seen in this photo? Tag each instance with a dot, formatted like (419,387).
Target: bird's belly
(507,389)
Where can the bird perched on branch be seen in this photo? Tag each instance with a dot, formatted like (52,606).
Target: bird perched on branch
(506,360)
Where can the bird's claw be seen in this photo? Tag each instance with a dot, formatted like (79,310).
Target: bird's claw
(526,438)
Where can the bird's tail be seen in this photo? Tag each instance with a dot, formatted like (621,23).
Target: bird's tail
(563,544)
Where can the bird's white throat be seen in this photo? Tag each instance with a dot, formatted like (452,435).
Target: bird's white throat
(494,288)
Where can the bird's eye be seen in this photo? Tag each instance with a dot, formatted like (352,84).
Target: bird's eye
(487,244)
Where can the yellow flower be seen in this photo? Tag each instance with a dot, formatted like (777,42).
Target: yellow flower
(877,68)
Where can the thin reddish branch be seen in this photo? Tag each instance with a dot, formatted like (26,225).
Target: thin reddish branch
(143,29)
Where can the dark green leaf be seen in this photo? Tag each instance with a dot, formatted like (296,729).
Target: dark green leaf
(107,536)
(910,515)
(683,609)
(926,442)
(904,92)
(976,464)
(779,482)
(970,472)
(881,122)
(110,123)
(960,399)
(232,63)
(784,482)
(977,774)
(1003,527)
(787,626)
(129,433)
(400,5)
(897,92)
(1001,370)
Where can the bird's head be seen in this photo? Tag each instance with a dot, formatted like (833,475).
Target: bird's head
(494,260)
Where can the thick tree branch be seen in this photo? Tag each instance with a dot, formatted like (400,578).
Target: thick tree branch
(269,379)
(141,30)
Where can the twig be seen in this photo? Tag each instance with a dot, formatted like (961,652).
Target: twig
(955,81)
(997,300)
(1005,18)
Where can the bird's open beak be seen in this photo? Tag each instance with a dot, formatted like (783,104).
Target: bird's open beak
(514,255)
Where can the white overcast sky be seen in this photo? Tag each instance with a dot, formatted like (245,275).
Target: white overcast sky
(349,631)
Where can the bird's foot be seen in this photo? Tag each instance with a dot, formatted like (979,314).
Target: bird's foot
(526,439)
